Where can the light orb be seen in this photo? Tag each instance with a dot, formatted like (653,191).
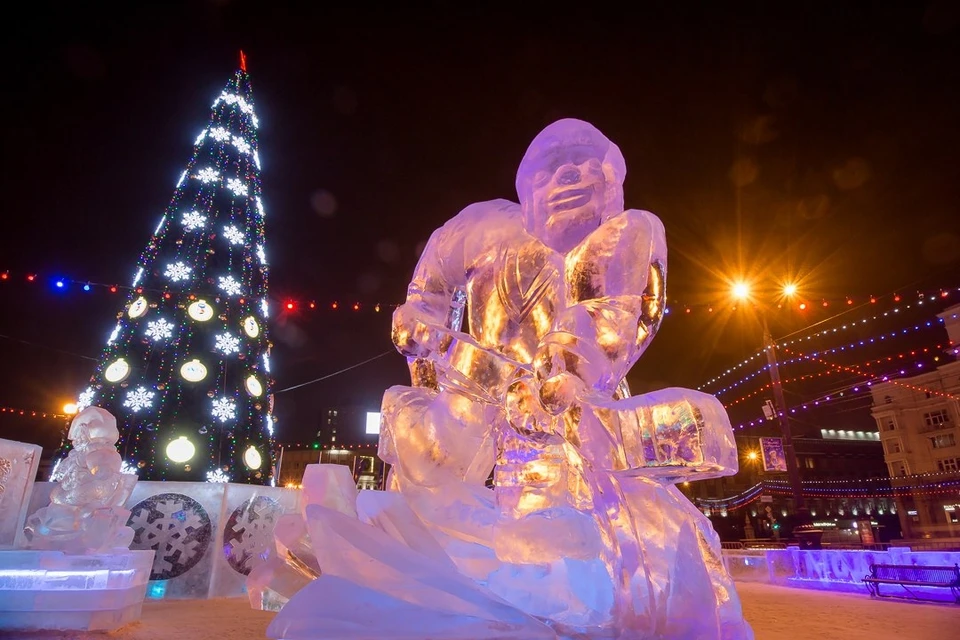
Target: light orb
(200,311)
(138,307)
(180,450)
(252,458)
(117,371)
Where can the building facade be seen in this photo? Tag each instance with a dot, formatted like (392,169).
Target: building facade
(918,418)
(368,470)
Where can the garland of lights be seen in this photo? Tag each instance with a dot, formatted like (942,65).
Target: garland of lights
(33,413)
(829,372)
(194,220)
(930,324)
(921,297)
(186,367)
(781,488)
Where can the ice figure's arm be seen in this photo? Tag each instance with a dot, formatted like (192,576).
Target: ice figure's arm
(436,294)
(615,292)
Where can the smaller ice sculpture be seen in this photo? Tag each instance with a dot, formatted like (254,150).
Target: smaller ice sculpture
(86,513)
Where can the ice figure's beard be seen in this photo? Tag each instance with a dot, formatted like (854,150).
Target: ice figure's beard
(563,230)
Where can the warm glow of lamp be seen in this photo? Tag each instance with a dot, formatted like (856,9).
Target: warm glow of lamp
(70,408)
(789,289)
(741,290)
(753,455)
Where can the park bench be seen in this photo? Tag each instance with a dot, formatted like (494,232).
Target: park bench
(913,576)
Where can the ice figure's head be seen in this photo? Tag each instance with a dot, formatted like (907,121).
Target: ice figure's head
(93,423)
(569,182)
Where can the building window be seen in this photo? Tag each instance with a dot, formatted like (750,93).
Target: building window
(937,419)
(948,464)
(888,399)
(890,425)
(899,469)
(893,446)
(808,463)
(943,441)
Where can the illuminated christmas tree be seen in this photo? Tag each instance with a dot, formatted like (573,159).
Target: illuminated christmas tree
(186,370)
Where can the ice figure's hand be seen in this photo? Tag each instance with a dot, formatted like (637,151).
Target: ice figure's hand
(525,413)
(558,387)
(413,336)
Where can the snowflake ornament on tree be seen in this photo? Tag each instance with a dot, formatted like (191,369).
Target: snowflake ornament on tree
(129,469)
(207,175)
(234,235)
(217,475)
(85,399)
(238,188)
(158,330)
(242,145)
(261,255)
(219,134)
(230,286)
(177,271)
(227,344)
(139,399)
(193,220)
(224,409)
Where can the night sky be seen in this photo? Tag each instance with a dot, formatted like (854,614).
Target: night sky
(816,143)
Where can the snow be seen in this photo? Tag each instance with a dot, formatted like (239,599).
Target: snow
(776,613)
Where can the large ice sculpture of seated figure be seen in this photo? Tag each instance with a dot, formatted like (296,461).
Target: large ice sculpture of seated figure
(86,513)
(520,325)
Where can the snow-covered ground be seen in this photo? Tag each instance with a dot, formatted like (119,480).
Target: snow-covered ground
(776,613)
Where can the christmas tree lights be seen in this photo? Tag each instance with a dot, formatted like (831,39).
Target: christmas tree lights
(186,370)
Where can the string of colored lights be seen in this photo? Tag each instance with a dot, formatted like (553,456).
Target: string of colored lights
(829,372)
(33,413)
(782,488)
(921,298)
(929,324)
(301,301)
(885,378)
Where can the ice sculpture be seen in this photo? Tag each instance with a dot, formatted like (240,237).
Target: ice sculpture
(18,468)
(520,324)
(86,513)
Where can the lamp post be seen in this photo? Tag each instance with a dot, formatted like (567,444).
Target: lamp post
(741,290)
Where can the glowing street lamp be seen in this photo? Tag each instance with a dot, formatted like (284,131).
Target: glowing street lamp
(752,456)
(70,408)
(741,290)
(789,289)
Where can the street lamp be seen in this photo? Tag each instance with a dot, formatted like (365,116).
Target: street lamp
(741,290)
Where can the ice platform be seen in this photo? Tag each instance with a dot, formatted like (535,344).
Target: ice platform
(53,590)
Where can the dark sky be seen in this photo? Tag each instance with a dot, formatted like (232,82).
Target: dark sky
(818,141)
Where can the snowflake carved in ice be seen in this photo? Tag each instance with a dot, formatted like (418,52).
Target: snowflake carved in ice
(175,526)
(229,285)
(248,533)
(139,399)
(237,186)
(193,220)
(220,134)
(242,145)
(227,343)
(85,399)
(177,271)
(207,175)
(224,409)
(232,234)
(158,330)
(217,475)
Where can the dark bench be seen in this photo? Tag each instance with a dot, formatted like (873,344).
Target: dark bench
(913,576)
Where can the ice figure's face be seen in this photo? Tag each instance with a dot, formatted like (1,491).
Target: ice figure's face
(568,199)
